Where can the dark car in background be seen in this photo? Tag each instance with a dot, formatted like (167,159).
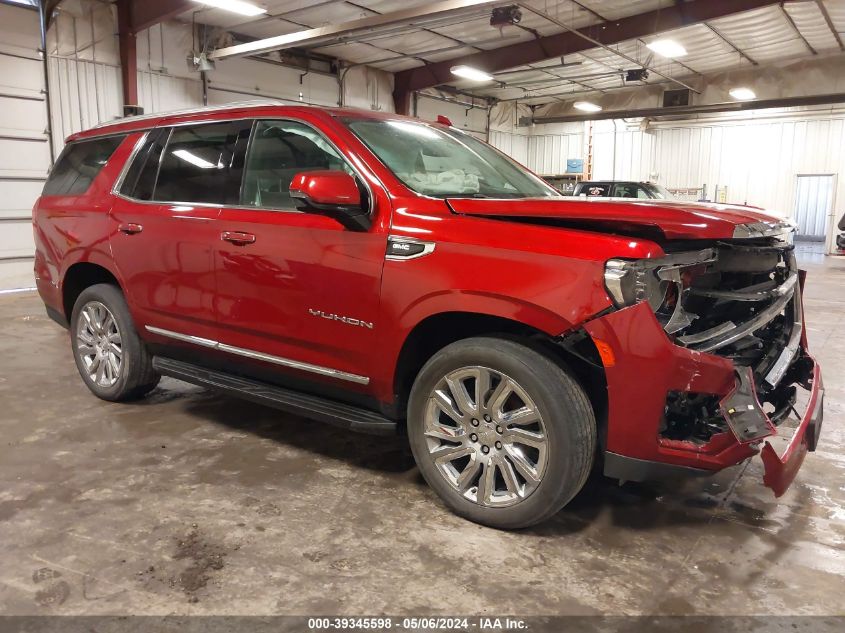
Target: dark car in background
(840,238)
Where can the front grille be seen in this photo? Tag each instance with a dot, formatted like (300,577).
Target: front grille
(744,305)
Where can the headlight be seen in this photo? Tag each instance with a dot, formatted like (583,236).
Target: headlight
(629,282)
(657,281)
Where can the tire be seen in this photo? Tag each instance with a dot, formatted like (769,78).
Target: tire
(127,374)
(530,482)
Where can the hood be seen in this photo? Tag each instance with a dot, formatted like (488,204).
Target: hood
(673,219)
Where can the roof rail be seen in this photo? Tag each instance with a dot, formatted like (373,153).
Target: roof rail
(235,105)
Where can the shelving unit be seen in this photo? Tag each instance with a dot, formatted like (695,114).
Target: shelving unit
(565,183)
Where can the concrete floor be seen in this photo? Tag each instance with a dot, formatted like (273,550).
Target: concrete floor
(192,503)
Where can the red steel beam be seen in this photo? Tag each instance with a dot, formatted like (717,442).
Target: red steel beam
(128,53)
(147,13)
(547,47)
(134,16)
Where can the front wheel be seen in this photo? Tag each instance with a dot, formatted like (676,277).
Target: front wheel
(505,436)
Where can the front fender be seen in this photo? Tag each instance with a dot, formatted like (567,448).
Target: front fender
(484,303)
(547,293)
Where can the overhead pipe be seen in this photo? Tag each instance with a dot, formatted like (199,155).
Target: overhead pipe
(712,108)
(469,106)
(335,32)
(42,21)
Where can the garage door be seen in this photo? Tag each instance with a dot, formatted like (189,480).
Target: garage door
(24,149)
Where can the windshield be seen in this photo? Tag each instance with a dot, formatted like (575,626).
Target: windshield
(446,163)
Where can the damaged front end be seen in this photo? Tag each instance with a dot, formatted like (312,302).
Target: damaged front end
(709,354)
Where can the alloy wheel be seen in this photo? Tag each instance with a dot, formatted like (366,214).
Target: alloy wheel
(486,436)
(99,344)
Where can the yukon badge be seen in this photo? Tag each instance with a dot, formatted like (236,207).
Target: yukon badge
(342,319)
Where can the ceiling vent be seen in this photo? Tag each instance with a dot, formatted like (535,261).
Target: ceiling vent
(637,74)
(676,98)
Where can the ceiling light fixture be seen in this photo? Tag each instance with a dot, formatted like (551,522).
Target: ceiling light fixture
(667,48)
(235,6)
(468,72)
(190,157)
(587,106)
(742,94)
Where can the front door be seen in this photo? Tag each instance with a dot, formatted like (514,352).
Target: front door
(296,290)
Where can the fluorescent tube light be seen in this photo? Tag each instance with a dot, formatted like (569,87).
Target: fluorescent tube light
(235,6)
(195,160)
(468,72)
(587,106)
(742,94)
(667,48)
(414,128)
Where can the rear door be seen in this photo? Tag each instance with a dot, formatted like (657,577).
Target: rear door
(164,224)
(298,290)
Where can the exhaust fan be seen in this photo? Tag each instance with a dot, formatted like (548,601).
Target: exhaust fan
(505,16)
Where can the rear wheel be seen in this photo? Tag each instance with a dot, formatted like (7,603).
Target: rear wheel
(504,435)
(112,360)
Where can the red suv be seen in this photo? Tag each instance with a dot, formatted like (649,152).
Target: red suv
(391,275)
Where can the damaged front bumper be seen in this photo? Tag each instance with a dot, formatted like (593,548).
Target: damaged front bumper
(647,366)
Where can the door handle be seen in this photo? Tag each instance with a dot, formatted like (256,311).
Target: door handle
(237,238)
(130,229)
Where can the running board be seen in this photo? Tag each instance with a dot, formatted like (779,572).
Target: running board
(308,406)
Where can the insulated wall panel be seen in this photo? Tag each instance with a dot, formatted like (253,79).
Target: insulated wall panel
(24,146)
(514,145)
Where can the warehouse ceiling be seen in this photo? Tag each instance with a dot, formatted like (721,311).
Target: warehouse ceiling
(778,32)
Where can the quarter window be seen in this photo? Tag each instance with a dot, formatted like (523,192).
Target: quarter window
(279,150)
(200,164)
(79,165)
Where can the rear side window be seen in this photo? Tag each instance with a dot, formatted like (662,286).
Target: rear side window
(203,163)
(79,164)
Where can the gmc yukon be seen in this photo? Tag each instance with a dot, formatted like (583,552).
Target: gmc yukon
(391,275)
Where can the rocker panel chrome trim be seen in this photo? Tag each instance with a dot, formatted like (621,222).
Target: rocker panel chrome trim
(269,358)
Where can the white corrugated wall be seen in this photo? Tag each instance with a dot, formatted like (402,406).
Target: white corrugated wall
(84,93)
(758,157)
(548,153)
(758,161)
(470,119)
(514,145)
(24,147)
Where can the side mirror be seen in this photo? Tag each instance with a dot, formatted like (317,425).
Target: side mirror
(332,193)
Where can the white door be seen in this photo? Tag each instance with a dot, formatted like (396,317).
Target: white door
(24,150)
(813,206)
